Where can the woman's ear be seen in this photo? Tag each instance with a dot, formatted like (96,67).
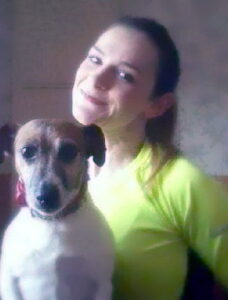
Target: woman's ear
(159,105)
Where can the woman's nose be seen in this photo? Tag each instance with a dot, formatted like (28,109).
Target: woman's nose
(103,78)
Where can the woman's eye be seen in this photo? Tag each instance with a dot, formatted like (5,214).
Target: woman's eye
(126,77)
(29,152)
(94,59)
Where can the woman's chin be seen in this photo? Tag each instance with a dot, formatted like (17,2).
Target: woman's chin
(87,117)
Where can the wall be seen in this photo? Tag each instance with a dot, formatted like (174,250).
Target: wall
(5,58)
(5,65)
(5,103)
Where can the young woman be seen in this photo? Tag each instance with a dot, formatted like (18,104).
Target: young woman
(157,203)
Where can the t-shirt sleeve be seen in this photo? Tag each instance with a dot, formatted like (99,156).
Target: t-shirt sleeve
(197,206)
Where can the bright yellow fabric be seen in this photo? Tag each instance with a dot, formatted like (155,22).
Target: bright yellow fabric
(154,226)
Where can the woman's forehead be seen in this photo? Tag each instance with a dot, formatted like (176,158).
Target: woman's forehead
(127,43)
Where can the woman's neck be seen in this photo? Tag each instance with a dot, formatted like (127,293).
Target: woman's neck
(122,146)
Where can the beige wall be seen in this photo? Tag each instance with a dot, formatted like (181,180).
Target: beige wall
(5,59)
(5,67)
(50,38)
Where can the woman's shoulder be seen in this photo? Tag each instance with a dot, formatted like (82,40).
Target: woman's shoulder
(177,178)
(182,179)
(176,171)
(182,169)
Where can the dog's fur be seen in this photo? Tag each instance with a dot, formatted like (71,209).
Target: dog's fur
(58,247)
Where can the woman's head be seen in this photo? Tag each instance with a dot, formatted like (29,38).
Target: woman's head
(128,76)
(168,69)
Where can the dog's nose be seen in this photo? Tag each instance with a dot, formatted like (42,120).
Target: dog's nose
(48,197)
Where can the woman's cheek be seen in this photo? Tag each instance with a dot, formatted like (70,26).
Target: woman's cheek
(83,72)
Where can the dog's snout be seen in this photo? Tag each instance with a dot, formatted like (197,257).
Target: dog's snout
(48,197)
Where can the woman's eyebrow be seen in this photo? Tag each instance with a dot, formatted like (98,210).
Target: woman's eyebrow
(98,49)
(125,63)
(129,65)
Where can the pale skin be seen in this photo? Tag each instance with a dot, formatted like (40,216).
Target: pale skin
(113,89)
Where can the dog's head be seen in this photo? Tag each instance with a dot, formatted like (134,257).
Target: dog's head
(51,160)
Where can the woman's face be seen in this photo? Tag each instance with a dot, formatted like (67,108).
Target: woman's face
(114,83)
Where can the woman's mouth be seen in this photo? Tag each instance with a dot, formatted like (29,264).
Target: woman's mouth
(92,99)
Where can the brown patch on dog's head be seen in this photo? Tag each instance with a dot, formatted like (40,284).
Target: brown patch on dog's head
(90,139)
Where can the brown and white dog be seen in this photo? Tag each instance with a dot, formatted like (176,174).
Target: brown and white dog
(58,247)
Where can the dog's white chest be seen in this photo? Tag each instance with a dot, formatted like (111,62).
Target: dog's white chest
(62,260)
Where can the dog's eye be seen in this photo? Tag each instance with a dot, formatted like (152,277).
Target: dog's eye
(67,153)
(29,152)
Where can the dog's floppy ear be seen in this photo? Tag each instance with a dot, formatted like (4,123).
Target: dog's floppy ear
(95,144)
(7,136)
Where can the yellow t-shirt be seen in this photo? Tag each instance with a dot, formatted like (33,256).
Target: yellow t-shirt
(154,225)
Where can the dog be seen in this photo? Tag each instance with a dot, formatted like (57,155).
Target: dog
(58,247)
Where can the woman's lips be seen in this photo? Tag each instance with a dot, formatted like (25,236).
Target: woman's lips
(92,99)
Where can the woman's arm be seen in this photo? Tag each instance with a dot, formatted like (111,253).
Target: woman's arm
(198,208)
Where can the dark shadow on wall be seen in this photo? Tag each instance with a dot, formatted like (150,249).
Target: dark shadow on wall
(5,201)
